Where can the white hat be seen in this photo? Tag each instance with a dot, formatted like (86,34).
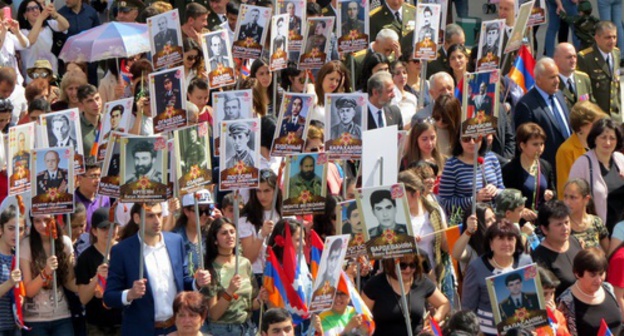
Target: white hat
(203,197)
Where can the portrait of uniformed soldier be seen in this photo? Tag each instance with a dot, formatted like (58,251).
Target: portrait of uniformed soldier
(280,40)
(384,209)
(293,121)
(115,120)
(239,134)
(171,95)
(426,31)
(61,132)
(352,22)
(294,22)
(354,220)
(346,119)
(517,299)
(52,176)
(489,51)
(22,157)
(306,178)
(231,107)
(217,53)
(317,39)
(144,156)
(329,277)
(194,153)
(165,36)
(252,29)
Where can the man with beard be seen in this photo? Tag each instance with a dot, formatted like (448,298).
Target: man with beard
(306,179)
(239,137)
(352,22)
(144,157)
(294,122)
(346,114)
(194,153)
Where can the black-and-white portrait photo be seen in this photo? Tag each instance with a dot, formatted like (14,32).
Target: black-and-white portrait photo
(317,36)
(63,130)
(229,105)
(251,26)
(166,39)
(349,118)
(353,17)
(143,160)
(427,28)
(239,136)
(294,20)
(165,36)
(217,52)
(192,150)
(281,31)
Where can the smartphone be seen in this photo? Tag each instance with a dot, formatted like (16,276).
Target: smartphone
(6,11)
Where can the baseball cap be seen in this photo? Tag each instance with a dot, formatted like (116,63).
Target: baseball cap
(100,218)
(204,197)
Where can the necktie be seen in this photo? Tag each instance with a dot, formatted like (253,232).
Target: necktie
(570,86)
(609,63)
(398,17)
(518,303)
(53,176)
(380,122)
(558,117)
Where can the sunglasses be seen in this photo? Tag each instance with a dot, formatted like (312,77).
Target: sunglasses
(469,139)
(202,210)
(411,265)
(32,9)
(36,75)
(191,58)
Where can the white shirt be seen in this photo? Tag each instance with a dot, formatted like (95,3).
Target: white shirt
(18,99)
(249,230)
(8,52)
(565,79)
(373,111)
(606,56)
(41,49)
(394,12)
(422,226)
(229,30)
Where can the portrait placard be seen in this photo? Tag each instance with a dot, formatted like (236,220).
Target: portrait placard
(62,129)
(292,124)
(345,118)
(143,169)
(229,105)
(296,10)
(388,229)
(218,59)
(490,45)
(165,39)
(21,141)
(116,119)
(352,25)
(426,33)
(349,221)
(316,45)
(109,182)
(480,103)
(326,282)
(279,42)
(538,12)
(517,33)
(53,181)
(239,162)
(305,184)
(250,31)
(444,6)
(192,150)
(169,99)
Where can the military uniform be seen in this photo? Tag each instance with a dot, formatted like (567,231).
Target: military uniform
(171,99)
(378,230)
(279,42)
(424,32)
(508,308)
(582,88)
(252,30)
(45,180)
(294,24)
(194,155)
(350,25)
(154,176)
(219,59)
(440,64)
(584,25)
(21,158)
(316,41)
(605,84)
(168,37)
(358,59)
(246,157)
(381,17)
(354,129)
(298,185)
(214,21)
(289,126)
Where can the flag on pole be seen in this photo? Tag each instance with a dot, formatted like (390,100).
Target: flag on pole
(521,72)
(346,286)
(604,329)
(281,293)
(435,327)
(316,251)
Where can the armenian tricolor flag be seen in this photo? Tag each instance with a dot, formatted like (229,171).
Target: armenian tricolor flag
(316,251)
(604,329)
(346,286)
(522,70)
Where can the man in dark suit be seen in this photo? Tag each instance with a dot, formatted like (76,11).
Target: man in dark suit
(454,34)
(384,209)
(53,176)
(544,105)
(293,122)
(394,14)
(252,29)
(171,96)
(517,299)
(217,53)
(380,94)
(147,304)
(602,63)
(481,101)
(61,133)
(575,85)
(165,36)
(279,42)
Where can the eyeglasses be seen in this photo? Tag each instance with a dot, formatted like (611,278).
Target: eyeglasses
(192,58)
(36,75)
(411,265)
(469,139)
(32,9)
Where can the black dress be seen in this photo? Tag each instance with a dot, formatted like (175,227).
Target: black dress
(588,317)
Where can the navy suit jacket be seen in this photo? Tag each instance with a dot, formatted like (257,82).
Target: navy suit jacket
(533,108)
(138,317)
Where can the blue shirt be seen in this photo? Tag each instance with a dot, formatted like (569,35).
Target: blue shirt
(6,312)
(86,19)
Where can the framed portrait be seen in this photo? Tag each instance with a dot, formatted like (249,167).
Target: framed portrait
(239,162)
(192,150)
(143,175)
(326,282)
(116,118)
(538,12)
(316,44)
(388,229)
(229,105)
(279,42)
(169,99)
(426,33)
(352,25)
(165,39)
(490,45)
(443,6)
(349,221)
(62,129)
(251,30)
(480,103)
(218,59)
(346,119)
(517,33)
(21,141)
(109,182)
(296,11)
(53,180)
(292,124)
(305,184)
(517,299)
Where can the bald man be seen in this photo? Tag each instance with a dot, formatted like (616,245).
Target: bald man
(574,84)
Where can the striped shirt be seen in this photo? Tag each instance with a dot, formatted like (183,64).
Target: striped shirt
(6,312)
(456,181)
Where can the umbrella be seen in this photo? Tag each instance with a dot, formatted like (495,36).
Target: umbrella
(110,40)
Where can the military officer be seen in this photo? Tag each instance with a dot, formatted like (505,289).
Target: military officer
(53,176)
(194,154)
(426,30)
(395,14)
(347,124)
(602,63)
(171,95)
(317,40)
(294,122)
(217,53)
(217,14)
(239,136)
(144,156)
(294,22)
(384,209)
(252,29)
(575,85)
(165,36)
(306,179)
(386,42)
(22,157)
(352,22)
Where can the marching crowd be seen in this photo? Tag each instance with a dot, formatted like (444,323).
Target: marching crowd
(550,184)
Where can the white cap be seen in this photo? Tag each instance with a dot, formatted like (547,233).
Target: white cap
(203,197)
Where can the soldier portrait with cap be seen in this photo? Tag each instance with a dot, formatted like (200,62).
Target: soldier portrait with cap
(346,109)
(144,158)
(490,50)
(252,29)
(238,139)
(20,160)
(351,21)
(426,30)
(165,37)
(170,94)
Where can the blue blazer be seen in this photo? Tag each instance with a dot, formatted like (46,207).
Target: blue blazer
(138,317)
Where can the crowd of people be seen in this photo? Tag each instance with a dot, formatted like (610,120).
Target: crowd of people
(549,184)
